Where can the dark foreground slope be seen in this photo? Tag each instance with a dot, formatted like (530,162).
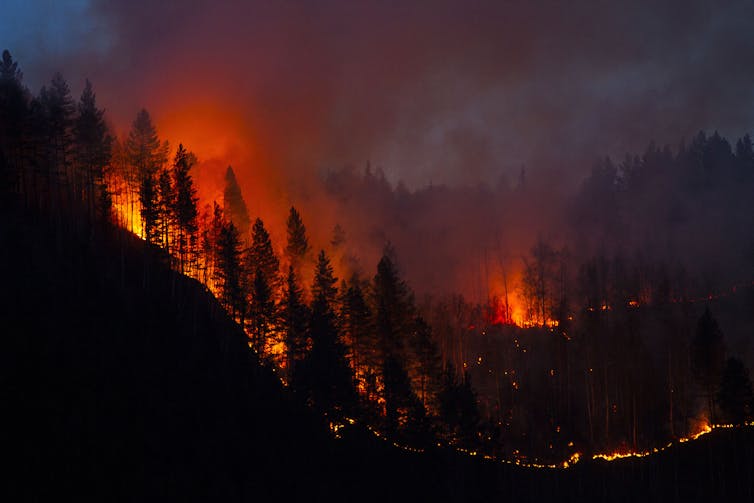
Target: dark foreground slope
(123,381)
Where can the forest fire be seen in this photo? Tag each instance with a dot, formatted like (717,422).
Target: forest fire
(513,311)
(353,240)
(126,214)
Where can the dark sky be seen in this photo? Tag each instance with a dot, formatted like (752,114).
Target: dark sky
(436,91)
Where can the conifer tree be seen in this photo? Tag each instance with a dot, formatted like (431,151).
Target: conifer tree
(459,411)
(93,144)
(426,365)
(13,119)
(234,206)
(59,109)
(210,238)
(263,316)
(146,155)
(394,306)
(184,205)
(260,255)
(327,377)
(149,211)
(228,270)
(394,313)
(298,244)
(358,331)
(294,323)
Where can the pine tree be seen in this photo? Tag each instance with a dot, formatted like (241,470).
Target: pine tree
(294,322)
(459,411)
(228,270)
(263,316)
(394,314)
(234,206)
(327,377)
(404,413)
(262,276)
(358,331)
(260,255)
(184,206)
(427,365)
(298,244)
(59,110)
(146,155)
(210,238)
(323,287)
(93,152)
(13,119)
(394,308)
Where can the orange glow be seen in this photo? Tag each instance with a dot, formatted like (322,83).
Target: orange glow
(128,215)
(704,429)
(515,313)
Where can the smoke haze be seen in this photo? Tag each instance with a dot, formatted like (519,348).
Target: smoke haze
(449,99)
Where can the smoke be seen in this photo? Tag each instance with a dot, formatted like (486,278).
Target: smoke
(448,98)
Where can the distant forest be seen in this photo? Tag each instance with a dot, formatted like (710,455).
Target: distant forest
(633,330)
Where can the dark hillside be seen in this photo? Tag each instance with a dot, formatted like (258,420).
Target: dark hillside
(124,381)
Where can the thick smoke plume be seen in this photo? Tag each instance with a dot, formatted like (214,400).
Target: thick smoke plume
(447,99)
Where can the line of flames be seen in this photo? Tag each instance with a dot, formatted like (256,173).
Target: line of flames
(335,428)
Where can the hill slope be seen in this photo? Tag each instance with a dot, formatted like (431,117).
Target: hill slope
(122,380)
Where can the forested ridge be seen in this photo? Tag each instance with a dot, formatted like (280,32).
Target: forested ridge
(191,359)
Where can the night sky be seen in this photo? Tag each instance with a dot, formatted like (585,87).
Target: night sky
(440,91)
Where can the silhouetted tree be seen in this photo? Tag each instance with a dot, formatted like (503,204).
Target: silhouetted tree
(394,306)
(707,358)
(294,316)
(539,274)
(13,116)
(146,155)
(735,393)
(394,314)
(213,224)
(403,409)
(327,377)
(298,244)
(426,363)
(228,270)
(358,331)
(744,149)
(234,206)
(59,109)
(93,150)
(260,255)
(263,315)
(458,406)
(149,210)
(184,205)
